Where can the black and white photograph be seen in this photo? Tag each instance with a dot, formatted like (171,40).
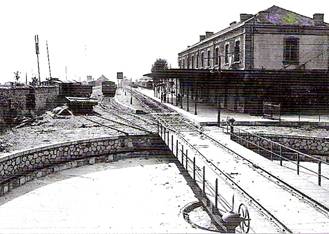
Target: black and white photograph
(177,116)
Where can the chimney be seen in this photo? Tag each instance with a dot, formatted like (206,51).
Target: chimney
(208,34)
(244,16)
(318,19)
(202,37)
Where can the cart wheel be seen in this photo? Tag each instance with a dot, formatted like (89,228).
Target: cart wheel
(245,218)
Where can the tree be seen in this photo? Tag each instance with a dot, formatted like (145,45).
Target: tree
(34,81)
(159,65)
(17,76)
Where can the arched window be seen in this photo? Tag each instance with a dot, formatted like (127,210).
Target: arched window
(216,56)
(208,58)
(197,60)
(237,51)
(192,61)
(202,59)
(226,52)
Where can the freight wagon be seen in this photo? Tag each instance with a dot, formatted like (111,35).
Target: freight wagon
(109,88)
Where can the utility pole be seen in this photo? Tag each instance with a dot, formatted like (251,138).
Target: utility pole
(36,39)
(48,60)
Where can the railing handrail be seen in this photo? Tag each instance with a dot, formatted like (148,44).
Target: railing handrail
(281,145)
(272,152)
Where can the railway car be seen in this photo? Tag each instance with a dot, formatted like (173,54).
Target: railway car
(146,83)
(109,88)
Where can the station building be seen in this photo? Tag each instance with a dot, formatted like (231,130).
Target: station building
(275,56)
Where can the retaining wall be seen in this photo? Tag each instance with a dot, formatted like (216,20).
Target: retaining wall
(18,168)
(308,145)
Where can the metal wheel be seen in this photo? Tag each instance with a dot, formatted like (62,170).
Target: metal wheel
(245,218)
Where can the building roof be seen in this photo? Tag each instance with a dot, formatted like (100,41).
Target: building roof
(278,16)
(272,16)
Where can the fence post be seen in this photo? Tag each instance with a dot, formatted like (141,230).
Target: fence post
(272,150)
(158,127)
(186,159)
(161,131)
(168,138)
(280,155)
(177,148)
(183,155)
(319,173)
(297,163)
(194,168)
(204,180)
(216,193)
(172,143)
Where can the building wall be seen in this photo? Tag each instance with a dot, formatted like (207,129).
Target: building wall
(210,45)
(45,97)
(13,100)
(268,51)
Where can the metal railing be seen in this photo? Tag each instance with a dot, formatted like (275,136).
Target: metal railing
(209,189)
(277,150)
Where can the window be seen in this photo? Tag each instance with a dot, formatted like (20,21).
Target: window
(180,63)
(208,58)
(197,60)
(237,51)
(183,63)
(192,61)
(188,62)
(291,50)
(202,59)
(226,52)
(216,56)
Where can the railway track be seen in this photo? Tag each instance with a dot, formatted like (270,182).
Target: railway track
(132,128)
(113,108)
(183,127)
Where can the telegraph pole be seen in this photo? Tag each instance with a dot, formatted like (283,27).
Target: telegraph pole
(36,39)
(48,60)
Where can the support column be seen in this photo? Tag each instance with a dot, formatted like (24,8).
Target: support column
(181,98)
(171,91)
(188,99)
(176,92)
(196,104)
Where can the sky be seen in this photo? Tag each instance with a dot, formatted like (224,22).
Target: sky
(95,37)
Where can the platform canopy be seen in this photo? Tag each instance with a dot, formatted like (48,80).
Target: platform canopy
(210,74)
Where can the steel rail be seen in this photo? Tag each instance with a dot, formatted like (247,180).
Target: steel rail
(117,122)
(113,128)
(233,184)
(291,188)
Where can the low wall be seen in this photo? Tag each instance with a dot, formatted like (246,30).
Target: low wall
(308,145)
(18,168)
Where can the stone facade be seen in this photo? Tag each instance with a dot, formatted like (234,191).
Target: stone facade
(275,56)
(261,39)
(18,168)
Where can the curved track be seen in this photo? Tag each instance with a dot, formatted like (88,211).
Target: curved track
(182,127)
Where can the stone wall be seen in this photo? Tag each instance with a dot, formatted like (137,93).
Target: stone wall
(45,97)
(18,168)
(13,101)
(308,145)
